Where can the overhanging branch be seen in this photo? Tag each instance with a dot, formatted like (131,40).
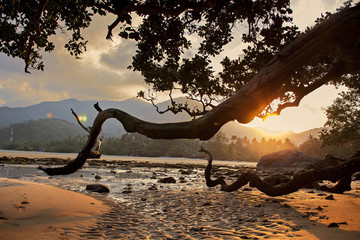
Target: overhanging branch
(250,100)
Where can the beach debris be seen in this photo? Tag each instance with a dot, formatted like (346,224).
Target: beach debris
(330,197)
(167,180)
(97,188)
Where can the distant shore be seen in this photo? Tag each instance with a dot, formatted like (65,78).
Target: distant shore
(167,160)
(139,207)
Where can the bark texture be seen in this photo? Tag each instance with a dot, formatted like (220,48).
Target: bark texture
(340,174)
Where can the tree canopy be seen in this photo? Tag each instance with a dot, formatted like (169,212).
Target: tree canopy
(178,42)
(343,123)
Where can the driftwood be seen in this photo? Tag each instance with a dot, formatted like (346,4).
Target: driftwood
(341,32)
(340,173)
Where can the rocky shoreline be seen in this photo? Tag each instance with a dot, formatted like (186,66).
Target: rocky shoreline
(142,206)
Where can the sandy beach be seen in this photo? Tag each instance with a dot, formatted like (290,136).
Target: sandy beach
(35,206)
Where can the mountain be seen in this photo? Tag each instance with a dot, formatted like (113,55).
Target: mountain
(62,110)
(40,130)
(138,108)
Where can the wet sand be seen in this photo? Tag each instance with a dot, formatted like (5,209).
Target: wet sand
(139,207)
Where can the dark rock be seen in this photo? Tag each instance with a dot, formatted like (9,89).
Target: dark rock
(153,187)
(287,161)
(330,197)
(333,224)
(319,208)
(97,188)
(97,177)
(185,172)
(196,229)
(167,180)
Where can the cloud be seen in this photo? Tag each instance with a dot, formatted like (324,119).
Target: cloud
(101,74)
(306,11)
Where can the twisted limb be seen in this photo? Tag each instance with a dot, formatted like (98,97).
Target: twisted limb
(340,173)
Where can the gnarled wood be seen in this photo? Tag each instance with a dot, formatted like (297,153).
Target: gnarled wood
(341,173)
(250,100)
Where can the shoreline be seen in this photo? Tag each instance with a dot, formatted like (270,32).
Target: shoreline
(140,207)
(167,160)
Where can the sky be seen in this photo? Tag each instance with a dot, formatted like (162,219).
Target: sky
(102,73)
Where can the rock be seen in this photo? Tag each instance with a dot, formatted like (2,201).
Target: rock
(97,177)
(287,161)
(185,172)
(167,180)
(330,197)
(153,187)
(319,208)
(97,188)
(333,224)
(129,189)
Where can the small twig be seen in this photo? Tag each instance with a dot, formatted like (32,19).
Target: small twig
(97,107)
(77,118)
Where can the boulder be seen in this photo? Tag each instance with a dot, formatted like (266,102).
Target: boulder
(97,188)
(167,180)
(288,161)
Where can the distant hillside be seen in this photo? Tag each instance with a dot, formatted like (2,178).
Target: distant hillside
(62,110)
(234,128)
(40,130)
(136,107)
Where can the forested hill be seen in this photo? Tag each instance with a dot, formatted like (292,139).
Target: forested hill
(41,130)
(62,110)
(112,128)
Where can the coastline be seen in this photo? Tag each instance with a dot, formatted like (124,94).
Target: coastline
(140,207)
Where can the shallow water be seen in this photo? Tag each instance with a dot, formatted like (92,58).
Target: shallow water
(118,180)
(169,160)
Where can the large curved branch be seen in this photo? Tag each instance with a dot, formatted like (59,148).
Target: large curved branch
(340,173)
(250,100)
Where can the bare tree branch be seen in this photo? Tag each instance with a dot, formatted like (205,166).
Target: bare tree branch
(78,120)
(340,173)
